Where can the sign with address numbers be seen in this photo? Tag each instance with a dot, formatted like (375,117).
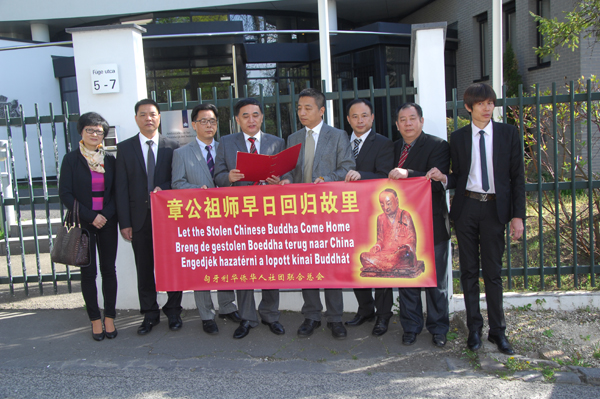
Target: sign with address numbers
(105,79)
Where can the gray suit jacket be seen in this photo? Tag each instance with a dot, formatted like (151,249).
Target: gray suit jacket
(227,154)
(333,155)
(189,168)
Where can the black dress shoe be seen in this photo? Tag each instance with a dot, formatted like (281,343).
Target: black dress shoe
(242,330)
(338,331)
(210,327)
(358,320)
(276,327)
(409,338)
(175,322)
(233,316)
(308,327)
(439,340)
(381,326)
(98,337)
(474,340)
(146,326)
(502,342)
(112,334)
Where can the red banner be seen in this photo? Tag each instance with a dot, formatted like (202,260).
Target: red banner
(371,233)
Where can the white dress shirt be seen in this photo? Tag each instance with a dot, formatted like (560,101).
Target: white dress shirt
(143,140)
(213,152)
(258,138)
(362,138)
(316,131)
(474,181)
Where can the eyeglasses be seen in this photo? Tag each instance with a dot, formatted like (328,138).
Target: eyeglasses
(91,131)
(206,121)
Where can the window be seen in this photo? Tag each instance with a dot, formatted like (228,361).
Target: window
(543,10)
(482,21)
(510,23)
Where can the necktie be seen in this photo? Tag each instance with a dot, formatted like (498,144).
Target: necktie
(485,183)
(150,163)
(356,146)
(252,146)
(309,157)
(209,160)
(403,155)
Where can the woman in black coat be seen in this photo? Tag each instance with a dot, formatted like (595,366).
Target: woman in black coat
(87,175)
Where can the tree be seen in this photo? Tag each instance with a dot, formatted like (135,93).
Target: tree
(512,78)
(583,20)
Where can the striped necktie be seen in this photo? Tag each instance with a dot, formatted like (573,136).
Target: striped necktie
(209,160)
(404,155)
(252,146)
(356,147)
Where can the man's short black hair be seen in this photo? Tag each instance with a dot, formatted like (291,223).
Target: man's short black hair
(246,101)
(204,107)
(146,101)
(478,92)
(359,101)
(409,105)
(314,93)
(92,119)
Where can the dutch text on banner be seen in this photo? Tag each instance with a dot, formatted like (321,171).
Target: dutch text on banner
(371,233)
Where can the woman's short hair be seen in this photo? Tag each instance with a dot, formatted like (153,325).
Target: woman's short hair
(92,119)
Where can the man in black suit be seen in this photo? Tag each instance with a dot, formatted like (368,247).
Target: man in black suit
(144,166)
(249,116)
(488,174)
(416,153)
(374,157)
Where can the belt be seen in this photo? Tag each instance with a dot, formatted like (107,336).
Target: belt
(480,196)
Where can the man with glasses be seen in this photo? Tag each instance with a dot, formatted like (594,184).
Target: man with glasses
(249,116)
(194,167)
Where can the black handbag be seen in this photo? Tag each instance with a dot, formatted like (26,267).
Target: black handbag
(72,243)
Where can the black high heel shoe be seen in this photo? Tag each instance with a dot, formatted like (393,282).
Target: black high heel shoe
(98,337)
(112,334)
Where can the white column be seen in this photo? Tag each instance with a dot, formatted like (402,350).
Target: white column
(497,52)
(39,32)
(428,73)
(325,50)
(121,45)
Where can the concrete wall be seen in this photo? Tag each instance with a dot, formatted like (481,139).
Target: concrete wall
(28,76)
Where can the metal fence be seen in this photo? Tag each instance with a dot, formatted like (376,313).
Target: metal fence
(540,118)
(560,136)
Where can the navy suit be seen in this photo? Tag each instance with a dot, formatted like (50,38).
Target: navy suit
(374,161)
(133,210)
(480,226)
(428,152)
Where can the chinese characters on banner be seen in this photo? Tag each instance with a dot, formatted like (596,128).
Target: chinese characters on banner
(372,233)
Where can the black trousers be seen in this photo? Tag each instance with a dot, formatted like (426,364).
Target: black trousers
(481,240)
(144,263)
(105,240)
(381,305)
(411,308)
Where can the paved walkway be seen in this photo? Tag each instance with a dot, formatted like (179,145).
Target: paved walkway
(44,351)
